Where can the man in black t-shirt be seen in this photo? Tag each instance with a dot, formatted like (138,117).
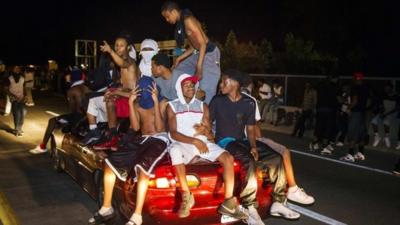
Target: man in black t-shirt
(328,96)
(357,129)
(233,113)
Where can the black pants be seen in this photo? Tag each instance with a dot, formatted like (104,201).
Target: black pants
(342,125)
(17,109)
(66,120)
(301,123)
(325,125)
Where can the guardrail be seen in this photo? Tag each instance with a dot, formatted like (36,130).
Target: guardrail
(294,84)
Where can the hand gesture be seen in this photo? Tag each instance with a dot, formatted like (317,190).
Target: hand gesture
(154,92)
(134,94)
(106,47)
(201,146)
(254,152)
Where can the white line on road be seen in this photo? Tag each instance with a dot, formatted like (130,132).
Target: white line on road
(342,162)
(315,215)
(52,113)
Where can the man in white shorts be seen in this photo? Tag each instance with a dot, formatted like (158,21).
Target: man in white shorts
(190,131)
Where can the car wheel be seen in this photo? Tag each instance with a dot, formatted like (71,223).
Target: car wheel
(98,182)
(58,161)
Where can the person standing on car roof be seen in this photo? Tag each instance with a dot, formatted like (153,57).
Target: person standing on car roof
(202,58)
(137,155)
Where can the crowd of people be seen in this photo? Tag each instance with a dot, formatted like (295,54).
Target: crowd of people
(188,109)
(182,110)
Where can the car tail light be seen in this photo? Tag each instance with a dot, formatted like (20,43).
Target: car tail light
(163,182)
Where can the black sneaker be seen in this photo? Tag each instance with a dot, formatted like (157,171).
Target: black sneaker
(100,219)
(231,208)
(91,136)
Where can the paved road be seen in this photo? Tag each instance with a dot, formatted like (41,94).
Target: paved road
(345,194)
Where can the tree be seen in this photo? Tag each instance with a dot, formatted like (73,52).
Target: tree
(229,57)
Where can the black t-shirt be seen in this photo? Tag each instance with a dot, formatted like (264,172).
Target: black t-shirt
(232,117)
(362,94)
(327,93)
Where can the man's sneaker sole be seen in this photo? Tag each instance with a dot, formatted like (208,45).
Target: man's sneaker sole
(278,215)
(299,203)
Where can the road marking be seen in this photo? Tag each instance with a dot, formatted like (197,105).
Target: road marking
(52,113)
(342,162)
(7,214)
(315,215)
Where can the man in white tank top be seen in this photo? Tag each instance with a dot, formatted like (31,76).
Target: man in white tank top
(190,131)
(16,92)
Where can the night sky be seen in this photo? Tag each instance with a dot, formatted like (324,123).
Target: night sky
(35,31)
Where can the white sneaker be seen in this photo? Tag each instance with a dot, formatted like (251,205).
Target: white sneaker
(359,156)
(398,146)
(377,139)
(330,148)
(38,150)
(279,209)
(326,151)
(254,217)
(387,142)
(300,196)
(348,158)
(339,144)
(313,147)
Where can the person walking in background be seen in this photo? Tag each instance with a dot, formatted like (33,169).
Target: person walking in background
(264,96)
(388,107)
(29,84)
(308,106)
(357,129)
(327,103)
(16,93)
(343,115)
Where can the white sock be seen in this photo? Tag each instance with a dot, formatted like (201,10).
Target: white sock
(137,219)
(293,189)
(92,126)
(105,211)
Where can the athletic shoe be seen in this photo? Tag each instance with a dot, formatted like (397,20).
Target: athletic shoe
(30,104)
(299,196)
(330,148)
(326,151)
(398,146)
(108,144)
(387,142)
(279,209)
(339,144)
(91,136)
(313,146)
(101,219)
(348,158)
(254,217)
(186,205)
(230,207)
(377,139)
(359,156)
(38,150)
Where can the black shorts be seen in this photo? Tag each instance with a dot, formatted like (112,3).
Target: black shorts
(143,153)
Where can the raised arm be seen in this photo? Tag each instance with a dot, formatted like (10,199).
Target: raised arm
(198,34)
(133,113)
(123,63)
(159,123)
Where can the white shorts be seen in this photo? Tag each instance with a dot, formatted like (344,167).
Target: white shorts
(182,153)
(97,108)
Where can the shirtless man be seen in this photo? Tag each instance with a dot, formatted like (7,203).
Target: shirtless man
(202,57)
(117,99)
(141,154)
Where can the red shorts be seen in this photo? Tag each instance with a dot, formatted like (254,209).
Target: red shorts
(122,107)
